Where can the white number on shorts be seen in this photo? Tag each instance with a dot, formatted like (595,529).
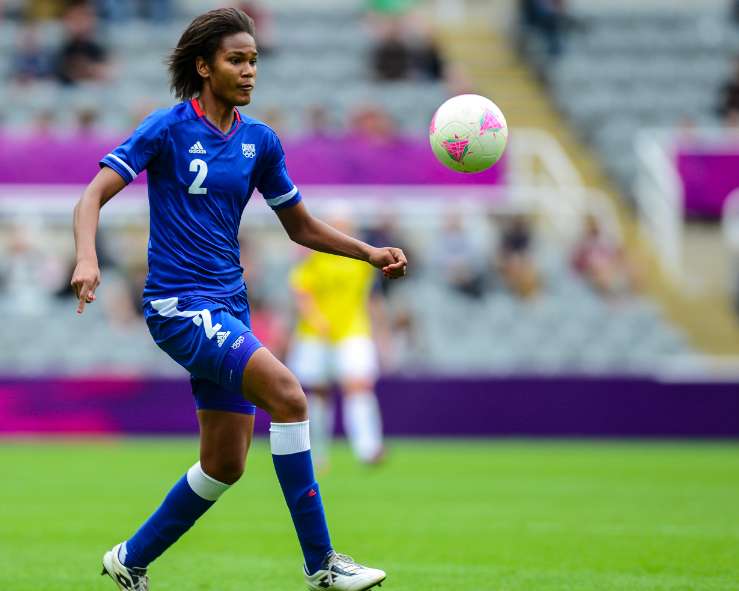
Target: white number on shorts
(201,167)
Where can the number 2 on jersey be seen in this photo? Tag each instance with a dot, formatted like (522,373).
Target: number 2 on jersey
(201,167)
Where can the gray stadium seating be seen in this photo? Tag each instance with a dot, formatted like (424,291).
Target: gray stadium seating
(627,70)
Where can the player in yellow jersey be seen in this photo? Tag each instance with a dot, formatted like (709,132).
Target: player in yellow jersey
(333,345)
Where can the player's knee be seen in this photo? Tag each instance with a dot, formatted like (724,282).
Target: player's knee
(290,402)
(224,469)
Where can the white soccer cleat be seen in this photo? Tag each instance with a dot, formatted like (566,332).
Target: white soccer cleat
(127,579)
(340,573)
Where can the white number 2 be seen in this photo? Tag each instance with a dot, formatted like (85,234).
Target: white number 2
(201,167)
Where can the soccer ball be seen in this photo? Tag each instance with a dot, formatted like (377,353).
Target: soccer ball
(468,133)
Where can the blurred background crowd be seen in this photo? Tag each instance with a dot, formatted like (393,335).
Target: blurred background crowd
(103,61)
(350,87)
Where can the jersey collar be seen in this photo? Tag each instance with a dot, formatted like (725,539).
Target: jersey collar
(201,115)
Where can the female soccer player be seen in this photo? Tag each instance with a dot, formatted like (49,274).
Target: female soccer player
(333,344)
(203,161)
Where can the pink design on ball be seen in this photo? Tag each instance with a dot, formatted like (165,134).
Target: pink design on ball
(456,148)
(489,122)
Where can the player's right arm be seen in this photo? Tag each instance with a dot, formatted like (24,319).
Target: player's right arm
(118,168)
(86,276)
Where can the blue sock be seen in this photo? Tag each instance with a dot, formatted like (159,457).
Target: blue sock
(291,456)
(193,495)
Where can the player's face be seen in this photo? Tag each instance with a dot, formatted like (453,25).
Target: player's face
(234,70)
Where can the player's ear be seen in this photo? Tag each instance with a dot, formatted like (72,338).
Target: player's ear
(202,67)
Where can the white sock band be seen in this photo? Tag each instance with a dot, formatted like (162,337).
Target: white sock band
(289,438)
(203,485)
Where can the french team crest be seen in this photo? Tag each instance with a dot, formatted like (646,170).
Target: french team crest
(248,150)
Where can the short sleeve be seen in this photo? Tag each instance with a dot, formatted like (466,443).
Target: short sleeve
(274,183)
(135,154)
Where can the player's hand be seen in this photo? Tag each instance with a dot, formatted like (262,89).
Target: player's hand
(391,260)
(85,279)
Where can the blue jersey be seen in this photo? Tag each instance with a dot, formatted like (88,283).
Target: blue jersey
(199,181)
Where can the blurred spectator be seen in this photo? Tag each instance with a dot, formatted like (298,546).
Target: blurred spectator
(81,58)
(30,274)
(515,259)
(729,101)
(391,57)
(31,61)
(372,123)
(406,51)
(427,59)
(87,121)
(547,18)
(600,259)
(42,125)
(318,123)
(457,259)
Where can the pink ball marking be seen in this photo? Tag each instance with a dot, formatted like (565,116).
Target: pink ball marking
(489,122)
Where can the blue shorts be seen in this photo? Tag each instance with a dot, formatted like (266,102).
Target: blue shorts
(210,337)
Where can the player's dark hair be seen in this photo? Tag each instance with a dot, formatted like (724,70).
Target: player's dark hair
(202,39)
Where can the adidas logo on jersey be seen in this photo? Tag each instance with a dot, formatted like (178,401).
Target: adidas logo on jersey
(221,337)
(197,148)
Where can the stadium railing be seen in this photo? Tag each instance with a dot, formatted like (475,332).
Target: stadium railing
(671,164)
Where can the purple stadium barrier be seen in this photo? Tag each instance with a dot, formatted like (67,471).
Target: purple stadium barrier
(48,159)
(503,406)
(708,177)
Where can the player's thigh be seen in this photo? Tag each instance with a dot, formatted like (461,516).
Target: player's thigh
(205,336)
(356,364)
(273,387)
(309,360)
(225,438)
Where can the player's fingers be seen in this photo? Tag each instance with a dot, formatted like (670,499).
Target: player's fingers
(76,286)
(395,265)
(86,296)
(398,255)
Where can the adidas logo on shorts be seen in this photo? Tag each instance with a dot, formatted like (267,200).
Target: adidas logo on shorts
(221,337)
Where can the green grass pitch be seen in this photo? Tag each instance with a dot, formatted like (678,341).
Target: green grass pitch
(440,515)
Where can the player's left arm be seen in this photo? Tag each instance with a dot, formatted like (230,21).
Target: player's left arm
(305,229)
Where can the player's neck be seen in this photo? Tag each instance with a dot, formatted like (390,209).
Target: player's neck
(218,113)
